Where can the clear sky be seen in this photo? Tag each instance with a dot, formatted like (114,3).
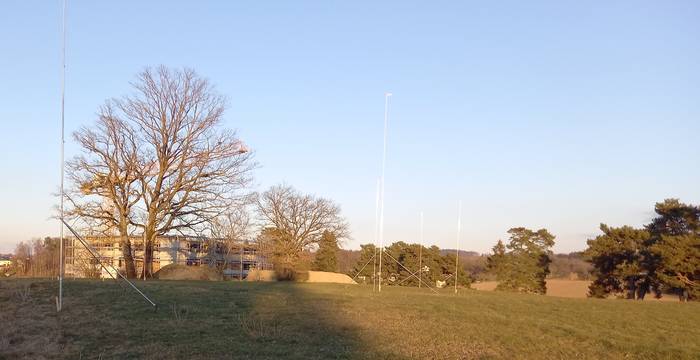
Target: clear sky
(556,114)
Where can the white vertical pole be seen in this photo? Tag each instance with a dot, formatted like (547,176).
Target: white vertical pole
(376,236)
(459,233)
(61,260)
(420,253)
(381,211)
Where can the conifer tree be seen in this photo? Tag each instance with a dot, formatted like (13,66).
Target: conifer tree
(327,254)
(663,257)
(679,265)
(525,266)
(674,248)
(364,266)
(618,257)
(496,263)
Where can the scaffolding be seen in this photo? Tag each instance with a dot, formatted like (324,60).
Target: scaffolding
(235,260)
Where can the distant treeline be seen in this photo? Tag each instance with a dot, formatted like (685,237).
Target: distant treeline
(662,257)
(404,264)
(34,258)
(563,266)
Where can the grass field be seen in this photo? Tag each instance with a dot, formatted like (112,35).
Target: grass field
(569,289)
(205,320)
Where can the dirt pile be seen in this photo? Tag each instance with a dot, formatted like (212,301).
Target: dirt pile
(310,276)
(329,277)
(184,272)
(261,275)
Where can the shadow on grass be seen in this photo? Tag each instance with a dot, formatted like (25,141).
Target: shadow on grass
(289,320)
(195,320)
(231,320)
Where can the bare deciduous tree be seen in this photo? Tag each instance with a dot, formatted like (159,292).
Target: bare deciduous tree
(193,169)
(158,161)
(104,179)
(229,231)
(298,220)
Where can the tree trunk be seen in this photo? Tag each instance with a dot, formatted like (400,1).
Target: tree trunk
(641,292)
(148,258)
(149,239)
(129,266)
(631,288)
(125,245)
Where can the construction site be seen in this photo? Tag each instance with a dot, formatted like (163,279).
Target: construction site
(233,261)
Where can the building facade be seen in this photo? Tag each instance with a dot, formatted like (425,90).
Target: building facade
(234,260)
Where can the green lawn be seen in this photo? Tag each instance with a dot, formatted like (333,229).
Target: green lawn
(285,320)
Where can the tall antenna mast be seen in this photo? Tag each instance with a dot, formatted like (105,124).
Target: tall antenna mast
(61,255)
(376,237)
(381,211)
(420,253)
(459,234)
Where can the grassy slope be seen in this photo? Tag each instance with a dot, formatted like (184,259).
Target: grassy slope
(264,320)
(569,289)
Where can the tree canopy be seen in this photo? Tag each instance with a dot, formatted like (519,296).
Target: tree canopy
(618,256)
(401,265)
(662,257)
(327,255)
(299,220)
(523,264)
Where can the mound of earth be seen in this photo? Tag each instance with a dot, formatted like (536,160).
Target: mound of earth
(329,277)
(184,272)
(261,275)
(311,276)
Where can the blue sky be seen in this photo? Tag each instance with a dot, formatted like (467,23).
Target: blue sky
(556,114)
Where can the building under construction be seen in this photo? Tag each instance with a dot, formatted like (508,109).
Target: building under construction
(235,260)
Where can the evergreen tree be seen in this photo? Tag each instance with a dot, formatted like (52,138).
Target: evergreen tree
(619,259)
(400,265)
(402,271)
(674,248)
(434,266)
(679,265)
(447,270)
(525,266)
(327,254)
(496,263)
(364,265)
(663,256)
(675,218)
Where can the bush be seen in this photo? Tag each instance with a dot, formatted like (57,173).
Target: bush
(287,273)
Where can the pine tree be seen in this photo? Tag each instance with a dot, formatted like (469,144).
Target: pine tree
(679,264)
(400,265)
(674,248)
(327,254)
(496,263)
(665,256)
(619,257)
(364,265)
(525,266)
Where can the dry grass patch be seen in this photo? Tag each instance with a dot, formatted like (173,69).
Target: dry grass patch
(204,320)
(568,289)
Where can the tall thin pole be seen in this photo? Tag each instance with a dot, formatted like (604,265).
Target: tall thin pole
(376,236)
(459,234)
(59,303)
(381,211)
(420,253)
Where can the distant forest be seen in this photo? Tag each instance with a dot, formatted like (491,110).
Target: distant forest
(563,266)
